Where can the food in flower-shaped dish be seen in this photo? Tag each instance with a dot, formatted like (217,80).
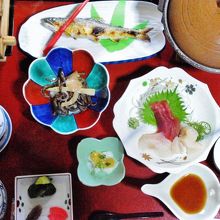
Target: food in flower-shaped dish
(100,161)
(169,122)
(67,90)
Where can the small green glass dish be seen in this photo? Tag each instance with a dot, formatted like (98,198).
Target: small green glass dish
(106,149)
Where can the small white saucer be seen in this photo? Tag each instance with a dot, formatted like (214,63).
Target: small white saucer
(216,154)
(162,191)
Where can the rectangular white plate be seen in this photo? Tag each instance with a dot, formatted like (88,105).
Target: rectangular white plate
(62,198)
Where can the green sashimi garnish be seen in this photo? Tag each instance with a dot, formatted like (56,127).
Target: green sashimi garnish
(175,103)
(133,122)
(203,128)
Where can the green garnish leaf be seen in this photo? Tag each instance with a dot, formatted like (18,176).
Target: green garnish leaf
(175,103)
(100,165)
(203,128)
(133,122)
(102,156)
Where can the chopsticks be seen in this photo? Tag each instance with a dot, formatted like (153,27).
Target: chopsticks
(58,34)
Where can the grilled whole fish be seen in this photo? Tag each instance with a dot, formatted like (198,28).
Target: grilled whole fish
(94,29)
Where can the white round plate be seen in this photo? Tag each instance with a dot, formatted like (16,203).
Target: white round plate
(33,36)
(198,100)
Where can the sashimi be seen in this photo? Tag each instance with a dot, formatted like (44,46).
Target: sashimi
(182,146)
(166,122)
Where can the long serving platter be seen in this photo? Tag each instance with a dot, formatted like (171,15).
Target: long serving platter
(33,36)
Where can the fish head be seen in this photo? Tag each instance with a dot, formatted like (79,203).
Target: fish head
(52,23)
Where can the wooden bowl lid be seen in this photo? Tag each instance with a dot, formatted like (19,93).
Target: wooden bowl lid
(195,27)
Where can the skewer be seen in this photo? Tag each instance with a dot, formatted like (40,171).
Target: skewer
(58,34)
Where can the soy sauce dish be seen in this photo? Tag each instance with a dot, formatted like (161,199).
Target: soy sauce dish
(191,194)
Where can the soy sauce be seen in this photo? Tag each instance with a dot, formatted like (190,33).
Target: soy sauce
(189,193)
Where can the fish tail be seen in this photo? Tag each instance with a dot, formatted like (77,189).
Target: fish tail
(143,34)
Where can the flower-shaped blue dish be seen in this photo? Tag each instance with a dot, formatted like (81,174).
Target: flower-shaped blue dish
(45,71)
(106,150)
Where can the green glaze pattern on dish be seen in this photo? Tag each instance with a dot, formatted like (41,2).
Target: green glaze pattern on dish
(109,144)
(98,77)
(64,124)
(112,46)
(41,73)
(118,18)
(94,13)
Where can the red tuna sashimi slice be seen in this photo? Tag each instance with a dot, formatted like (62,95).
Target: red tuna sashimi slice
(166,122)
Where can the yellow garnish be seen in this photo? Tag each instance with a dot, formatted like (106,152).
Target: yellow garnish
(109,162)
(100,160)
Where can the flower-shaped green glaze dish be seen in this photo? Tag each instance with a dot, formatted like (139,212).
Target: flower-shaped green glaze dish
(100,161)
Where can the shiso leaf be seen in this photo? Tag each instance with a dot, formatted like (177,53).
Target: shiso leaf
(174,100)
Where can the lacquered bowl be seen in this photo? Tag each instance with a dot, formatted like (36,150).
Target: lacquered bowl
(190,27)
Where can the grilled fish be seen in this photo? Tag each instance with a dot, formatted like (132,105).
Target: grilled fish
(94,29)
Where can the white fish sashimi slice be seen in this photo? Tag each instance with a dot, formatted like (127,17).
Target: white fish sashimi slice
(188,136)
(156,144)
(182,146)
(178,147)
